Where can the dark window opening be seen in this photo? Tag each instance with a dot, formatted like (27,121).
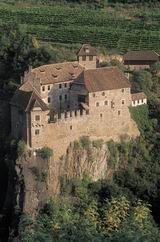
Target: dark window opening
(65,84)
(101,115)
(65,96)
(37,132)
(103,93)
(60,97)
(84,58)
(97,104)
(122,101)
(119,112)
(43,88)
(106,102)
(122,89)
(71,127)
(49,99)
(60,86)
(91,58)
(37,118)
(49,88)
(81,98)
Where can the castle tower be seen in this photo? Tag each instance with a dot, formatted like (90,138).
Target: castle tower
(87,56)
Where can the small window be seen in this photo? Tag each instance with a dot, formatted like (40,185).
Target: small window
(123,90)
(101,115)
(65,96)
(65,85)
(122,101)
(60,97)
(71,127)
(60,86)
(91,58)
(142,100)
(37,117)
(43,88)
(49,99)
(119,112)
(37,132)
(103,93)
(49,88)
(93,94)
(97,104)
(84,58)
(138,101)
(106,102)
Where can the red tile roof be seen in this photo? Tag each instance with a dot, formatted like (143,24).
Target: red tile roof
(87,50)
(56,73)
(141,55)
(100,79)
(138,96)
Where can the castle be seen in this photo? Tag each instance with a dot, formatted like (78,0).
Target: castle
(58,103)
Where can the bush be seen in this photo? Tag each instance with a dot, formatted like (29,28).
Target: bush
(44,175)
(97,143)
(46,152)
(35,172)
(85,142)
(21,148)
(114,153)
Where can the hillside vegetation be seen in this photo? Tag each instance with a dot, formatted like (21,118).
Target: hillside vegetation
(115,27)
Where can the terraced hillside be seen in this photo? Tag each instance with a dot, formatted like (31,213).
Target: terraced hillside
(107,28)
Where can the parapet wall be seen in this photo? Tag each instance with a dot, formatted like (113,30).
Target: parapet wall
(60,117)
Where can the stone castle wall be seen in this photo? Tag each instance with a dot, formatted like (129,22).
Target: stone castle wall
(109,120)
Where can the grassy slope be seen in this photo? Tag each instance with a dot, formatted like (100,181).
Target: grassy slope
(116,29)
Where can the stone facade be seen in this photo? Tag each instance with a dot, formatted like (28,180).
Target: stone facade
(56,109)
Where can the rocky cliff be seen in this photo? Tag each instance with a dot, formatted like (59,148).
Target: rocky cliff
(45,178)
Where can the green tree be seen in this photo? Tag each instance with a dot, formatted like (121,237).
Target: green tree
(142,81)
(46,152)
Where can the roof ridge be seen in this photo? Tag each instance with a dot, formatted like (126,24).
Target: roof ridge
(54,64)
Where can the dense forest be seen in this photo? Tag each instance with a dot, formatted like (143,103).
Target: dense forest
(124,208)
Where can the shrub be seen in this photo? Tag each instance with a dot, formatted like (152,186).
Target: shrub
(114,153)
(77,145)
(21,147)
(44,175)
(35,172)
(85,142)
(46,152)
(97,143)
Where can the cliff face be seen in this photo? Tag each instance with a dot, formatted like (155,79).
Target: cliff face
(45,178)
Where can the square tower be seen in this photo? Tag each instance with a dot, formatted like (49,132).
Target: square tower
(87,56)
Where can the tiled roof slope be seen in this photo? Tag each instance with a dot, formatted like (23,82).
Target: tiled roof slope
(91,50)
(100,79)
(138,96)
(141,55)
(56,73)
(26,97)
